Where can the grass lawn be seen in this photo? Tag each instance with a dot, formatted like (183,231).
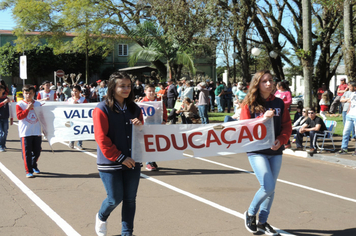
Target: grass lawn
(219,117)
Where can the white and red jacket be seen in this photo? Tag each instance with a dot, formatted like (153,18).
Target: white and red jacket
(51,95)
(29,124)
(79,100)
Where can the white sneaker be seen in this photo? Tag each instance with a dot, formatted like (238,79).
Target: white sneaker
(100,226)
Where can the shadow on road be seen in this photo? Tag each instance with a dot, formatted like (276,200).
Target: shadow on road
(61,175)
(172,171)
(313,232)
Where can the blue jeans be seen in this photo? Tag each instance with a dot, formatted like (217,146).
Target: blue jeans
(121,186)
(266,168)
(349,126)
(203,113)
(227,103)
(344,114)
(229,118)
(79,143)
(218,103)
(4,127)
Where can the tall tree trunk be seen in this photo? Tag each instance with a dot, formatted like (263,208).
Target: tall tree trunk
(349,49)
(307,58)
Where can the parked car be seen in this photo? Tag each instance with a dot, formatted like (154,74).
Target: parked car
(298,100)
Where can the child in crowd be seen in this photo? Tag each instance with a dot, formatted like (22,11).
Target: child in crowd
(4,118)
(29,130)
(46,94)
(236,116)
(76,99)
(150,97)
(324,105)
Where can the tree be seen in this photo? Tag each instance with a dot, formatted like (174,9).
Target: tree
(307,60)
(41,62)
(349,49)
(159,47)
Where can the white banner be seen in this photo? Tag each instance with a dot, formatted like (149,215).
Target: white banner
(61,121)
(173,142)
(152,112)
(23,67)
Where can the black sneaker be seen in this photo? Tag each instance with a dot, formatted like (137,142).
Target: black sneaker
(267,229)
(250,223)
(343,151)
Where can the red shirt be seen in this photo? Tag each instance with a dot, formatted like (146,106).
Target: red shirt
(342,87)
(320,92)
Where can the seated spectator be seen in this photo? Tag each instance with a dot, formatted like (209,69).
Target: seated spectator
(298,114)
(313,125)
(350,121)
(188,112)
(236,116)
(299,122)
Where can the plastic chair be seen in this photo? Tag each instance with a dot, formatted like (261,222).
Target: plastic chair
(327,134)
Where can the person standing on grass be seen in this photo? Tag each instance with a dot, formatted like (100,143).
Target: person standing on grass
(113,119)
(219,94)
(350,123)
(172,94)
(261,103)
(150,97)
(203,102)
(29,130)
(345,100)
(340,92)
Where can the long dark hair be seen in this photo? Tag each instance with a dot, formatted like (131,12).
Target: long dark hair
(253,98)
(110,97)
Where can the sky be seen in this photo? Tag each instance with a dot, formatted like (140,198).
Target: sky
(6,21)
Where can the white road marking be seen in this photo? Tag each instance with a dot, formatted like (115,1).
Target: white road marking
(282,181)
(67,229)
(195,197)
(205,201)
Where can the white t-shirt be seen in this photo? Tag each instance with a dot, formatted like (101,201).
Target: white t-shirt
(30,125)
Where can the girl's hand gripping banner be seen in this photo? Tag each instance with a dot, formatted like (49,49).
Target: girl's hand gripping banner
(171,142)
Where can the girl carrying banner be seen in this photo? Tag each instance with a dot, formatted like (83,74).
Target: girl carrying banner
(76,99)
(150,97)
(120,174)
(258,103)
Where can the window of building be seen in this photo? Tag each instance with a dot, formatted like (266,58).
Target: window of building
(123,50)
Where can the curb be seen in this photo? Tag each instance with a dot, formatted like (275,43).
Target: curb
(331,159)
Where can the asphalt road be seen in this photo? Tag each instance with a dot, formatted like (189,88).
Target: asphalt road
(200,196)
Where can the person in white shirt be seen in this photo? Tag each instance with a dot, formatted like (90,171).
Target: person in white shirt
(46,94)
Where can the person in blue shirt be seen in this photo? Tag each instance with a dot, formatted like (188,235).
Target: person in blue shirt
(241,94)
(102,91)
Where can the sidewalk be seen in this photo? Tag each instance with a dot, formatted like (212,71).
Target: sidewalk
(329,156)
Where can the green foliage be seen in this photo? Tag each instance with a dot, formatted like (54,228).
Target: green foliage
(156,45)
(41,61)
(9,60)
(304,54)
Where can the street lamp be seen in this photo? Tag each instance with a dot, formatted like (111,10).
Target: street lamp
(255,52)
